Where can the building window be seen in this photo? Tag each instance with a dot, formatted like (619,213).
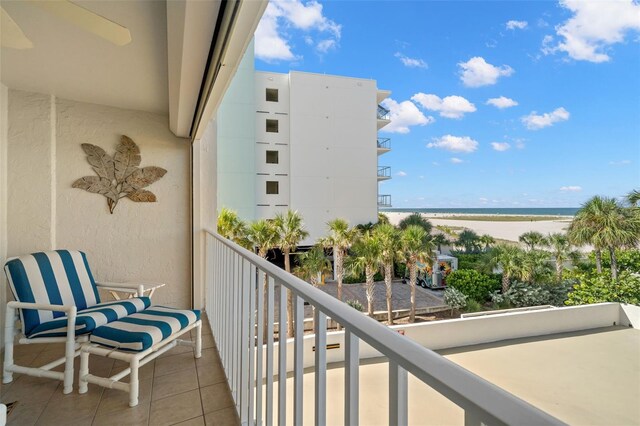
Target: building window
(272,126)
(272,95)
(272,157)
(272,187)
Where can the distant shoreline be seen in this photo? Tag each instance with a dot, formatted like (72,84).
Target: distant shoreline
(567,212)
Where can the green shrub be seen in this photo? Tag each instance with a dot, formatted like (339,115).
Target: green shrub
(473,306)
(598,288)
(355,305)
(454,298)
(473,284)
(522,295)
(357,279)
(401,270)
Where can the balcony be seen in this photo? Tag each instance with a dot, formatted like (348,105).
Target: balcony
(384,173)
(384,200)
(384,145)
(383,117)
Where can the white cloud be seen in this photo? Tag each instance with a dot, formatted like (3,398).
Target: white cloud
(323,46)
(593,28)
(483,200)
(571,188)
(401,173)
(449,107)
(500,146)
(403,115)
(513,25)
(477,72)
(454,143)
(456,160)
(502,102)
(535,121)
(435,163)
(411,62)
(271,40)
(619,163)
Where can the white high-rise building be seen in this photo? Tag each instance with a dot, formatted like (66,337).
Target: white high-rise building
(315,147)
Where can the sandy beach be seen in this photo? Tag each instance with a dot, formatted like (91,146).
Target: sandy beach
(507,230)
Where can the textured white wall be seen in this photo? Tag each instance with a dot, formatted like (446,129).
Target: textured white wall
(140,241)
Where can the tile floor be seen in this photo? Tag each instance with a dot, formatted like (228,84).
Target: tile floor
(175,389)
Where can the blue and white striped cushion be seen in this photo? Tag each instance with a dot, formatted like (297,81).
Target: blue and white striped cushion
(140,331)
(60,277)
(89,319)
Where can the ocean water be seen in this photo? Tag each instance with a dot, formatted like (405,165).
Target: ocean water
(539,211)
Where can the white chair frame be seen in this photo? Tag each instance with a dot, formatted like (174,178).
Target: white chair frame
(71,341)
(135,360)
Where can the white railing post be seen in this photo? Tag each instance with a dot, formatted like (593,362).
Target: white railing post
(282,356)
(298,361)
(351,379)
(320,325)
(260,346)
(252,381)
(245,332)
(398,407)
(269,367)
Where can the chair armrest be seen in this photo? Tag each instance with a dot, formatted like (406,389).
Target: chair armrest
(27,305)
(138,289)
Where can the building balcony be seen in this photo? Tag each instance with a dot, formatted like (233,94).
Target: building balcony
(384,145)
(384,200)
(383,116)
(384,173)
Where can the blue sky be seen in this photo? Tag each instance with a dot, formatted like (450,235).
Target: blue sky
(495,104)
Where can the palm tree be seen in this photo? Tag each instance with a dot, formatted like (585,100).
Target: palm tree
(469,240)
(313,264)
(389,244)
(382,219)
(340,238)
(532,239)
(562,251)
(365,257)
(232,227)
(416,247)
(487,240)
(291,231)
(605,224)
(508,258)
(535,265)
(633,197)
(416,219)
(440,240)
(264,237)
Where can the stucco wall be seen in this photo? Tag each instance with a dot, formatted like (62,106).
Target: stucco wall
(3,200)
(140,241)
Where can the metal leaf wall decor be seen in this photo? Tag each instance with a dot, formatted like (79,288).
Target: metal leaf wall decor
(119,176)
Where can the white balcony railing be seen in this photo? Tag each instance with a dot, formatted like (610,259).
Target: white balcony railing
(234,302)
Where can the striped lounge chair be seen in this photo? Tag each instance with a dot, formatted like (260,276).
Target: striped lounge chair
(137,339)
(57,301)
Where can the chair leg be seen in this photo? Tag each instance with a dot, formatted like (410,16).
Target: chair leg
(199,339)
(69,352)
(83,384)
(134,384)
(9,328)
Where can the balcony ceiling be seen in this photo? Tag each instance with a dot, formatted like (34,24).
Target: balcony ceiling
(75,64)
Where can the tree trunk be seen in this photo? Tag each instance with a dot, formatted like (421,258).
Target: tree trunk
(614,263)
(287,267)
(369,290)
(412,279)
(598,260)
(559,269)
(505,282)
(388,268)
(339,259)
